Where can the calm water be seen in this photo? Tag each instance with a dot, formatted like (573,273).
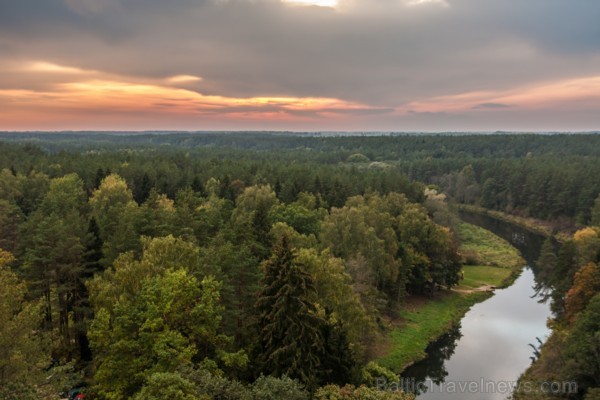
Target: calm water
(491,348)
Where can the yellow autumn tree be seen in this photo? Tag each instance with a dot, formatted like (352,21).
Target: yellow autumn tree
(587,241)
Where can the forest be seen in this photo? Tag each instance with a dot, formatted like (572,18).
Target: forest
(257,265)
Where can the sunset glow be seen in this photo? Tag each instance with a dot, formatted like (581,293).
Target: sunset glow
(548,95)
(298,64)
(321,3)
(99,97)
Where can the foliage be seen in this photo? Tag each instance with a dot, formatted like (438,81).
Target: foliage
(349,392)
(270,388)
(582,348)
(153,316)
(23,350)
(54,249)
(488,248)
(290,338)
(423,324)
(585,286)
(166,385)
(115,212)
(165,224)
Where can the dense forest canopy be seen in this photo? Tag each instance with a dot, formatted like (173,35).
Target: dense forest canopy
(550,176)
(256,265)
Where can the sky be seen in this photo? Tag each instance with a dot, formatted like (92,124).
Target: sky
(356,65)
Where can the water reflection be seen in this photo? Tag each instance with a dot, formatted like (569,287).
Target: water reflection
(433,367)
(527,242)
(492,346)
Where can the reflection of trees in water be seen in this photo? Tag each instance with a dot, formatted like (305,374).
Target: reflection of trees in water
(539,251)
(527,242)
(432,368)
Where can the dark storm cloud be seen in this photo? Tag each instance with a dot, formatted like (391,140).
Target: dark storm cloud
(383,53)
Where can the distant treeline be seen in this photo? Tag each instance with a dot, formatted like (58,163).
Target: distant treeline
(545,176)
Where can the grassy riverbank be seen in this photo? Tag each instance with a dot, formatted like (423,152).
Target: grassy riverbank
(544,228)
(424,319)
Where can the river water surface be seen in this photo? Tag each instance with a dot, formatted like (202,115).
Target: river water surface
(483,358)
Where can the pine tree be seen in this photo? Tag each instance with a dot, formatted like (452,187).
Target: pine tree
(290,331)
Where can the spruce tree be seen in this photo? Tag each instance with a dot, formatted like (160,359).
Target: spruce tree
(290,331)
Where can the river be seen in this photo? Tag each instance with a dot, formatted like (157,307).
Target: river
(483,357)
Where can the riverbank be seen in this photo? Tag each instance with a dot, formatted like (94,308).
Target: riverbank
(492,262)
(544,228)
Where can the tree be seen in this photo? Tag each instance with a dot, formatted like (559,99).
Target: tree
(251,220)
(596,212)
(23,350)
(239,271)
(582,348)
(270,388)
(54,248)
(157,216)
(32,189)
(290,336)
(334,292)
(587,241)
(11,218)
(155,316)
(360,231)
(115,211)
(350,392)
(562,278)
(300,215)
(338,363)
(143,186)
(167,385)
(427,251)
(585,286)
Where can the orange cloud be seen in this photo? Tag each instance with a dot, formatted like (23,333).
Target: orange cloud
(46,67)
(88,97)
(559,94)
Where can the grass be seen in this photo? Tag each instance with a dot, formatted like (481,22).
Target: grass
(486,248)
(477,276)
(423,320)
(541,227)
(422,323)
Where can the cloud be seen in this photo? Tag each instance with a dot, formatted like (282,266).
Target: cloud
(490,106)
(381,54)
(442,3)
(183,79)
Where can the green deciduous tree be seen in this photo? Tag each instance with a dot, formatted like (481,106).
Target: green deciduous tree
(155,316)
(167,385)
(116,214)
(334,292)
